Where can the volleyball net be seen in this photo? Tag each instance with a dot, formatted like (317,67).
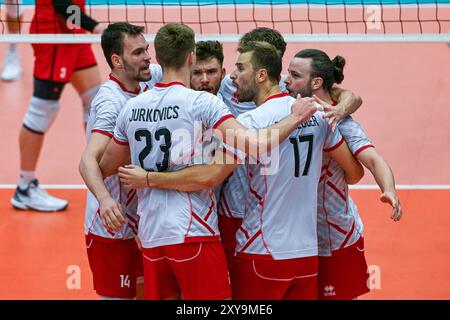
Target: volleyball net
(227,20)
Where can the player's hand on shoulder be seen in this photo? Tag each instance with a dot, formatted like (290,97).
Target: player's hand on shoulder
(303,108)
(133,177)
(332,113)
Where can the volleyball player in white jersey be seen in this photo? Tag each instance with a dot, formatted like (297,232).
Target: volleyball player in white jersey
(277,241)
(342,265)
(178,230)
(113,255)
(267,239)
(232,203)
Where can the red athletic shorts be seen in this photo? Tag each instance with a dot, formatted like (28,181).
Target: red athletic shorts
(344,275)
(228,227)
(197,271)
(264,279)
(57,62)
(115,264)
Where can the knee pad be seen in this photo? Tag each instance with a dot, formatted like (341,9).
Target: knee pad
(40,114)
(86,98)
(14,9)
(47,89)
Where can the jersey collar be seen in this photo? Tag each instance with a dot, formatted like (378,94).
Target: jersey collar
(278,95)
(166,85)
(121,85)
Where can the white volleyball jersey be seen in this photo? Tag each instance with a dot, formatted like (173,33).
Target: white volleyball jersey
(163,126)
(281,217)
(339,224)
(232,202)
(105,108)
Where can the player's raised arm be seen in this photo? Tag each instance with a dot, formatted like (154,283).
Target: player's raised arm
(347,103)
(384,177)
(264,140)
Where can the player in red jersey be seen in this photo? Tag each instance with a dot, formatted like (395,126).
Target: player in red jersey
(55,65)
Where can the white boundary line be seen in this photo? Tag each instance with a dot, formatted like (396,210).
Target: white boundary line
(355,187)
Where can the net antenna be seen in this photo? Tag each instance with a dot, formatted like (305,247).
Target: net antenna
(298,20)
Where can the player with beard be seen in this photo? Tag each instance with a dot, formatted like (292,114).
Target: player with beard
(342,265)
(256,78)
(114,257)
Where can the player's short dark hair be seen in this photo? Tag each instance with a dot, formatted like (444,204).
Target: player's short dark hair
(264,56)
(271,36)
(209,49)
(113,35)
(331,71)
(173,43)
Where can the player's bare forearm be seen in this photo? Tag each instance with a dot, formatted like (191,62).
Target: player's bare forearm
(92,176)
(385,179)
(261,141)
(193,178)
(347,101)
(89,165)
(379,168)
(115,155)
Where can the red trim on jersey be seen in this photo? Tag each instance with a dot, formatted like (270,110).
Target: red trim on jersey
(129,199)
(278,95)
(340,194)
(230,153)
(325,210)
(348,236)
(131,219)
(122,86)
(123,143)
(146,88)
(190,220)
(363,148)
(201,239)
(133,228)
(244,232)
(337,227)
(252,239)
(255,194)
(130,192)
(202,222)
(106,133)
(226,117)
(262,212)
(335,146)
(210,211)
(166,85)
